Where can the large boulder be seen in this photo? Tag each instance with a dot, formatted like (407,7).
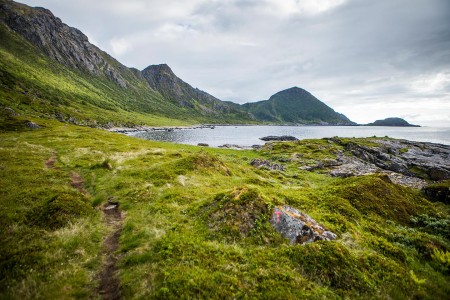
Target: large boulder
(298,227)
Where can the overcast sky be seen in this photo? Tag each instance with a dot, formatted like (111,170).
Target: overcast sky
(364,58)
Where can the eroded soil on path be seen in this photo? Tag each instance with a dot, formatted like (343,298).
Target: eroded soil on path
(50,163)
(77,182)
(109,287)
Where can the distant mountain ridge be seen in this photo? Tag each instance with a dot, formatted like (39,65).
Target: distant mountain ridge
(296,106)
(162,79)
(90,87)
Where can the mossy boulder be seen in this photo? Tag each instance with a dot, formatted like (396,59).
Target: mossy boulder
(202,162)
(298,227)
(241,214)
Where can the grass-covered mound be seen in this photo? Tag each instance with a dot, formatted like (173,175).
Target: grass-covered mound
(60,210)
(242,214)
(376,196)
(197,222)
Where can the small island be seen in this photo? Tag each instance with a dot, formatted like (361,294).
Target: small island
(392,122)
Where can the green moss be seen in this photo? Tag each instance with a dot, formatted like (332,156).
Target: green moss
(387,249)
(331,264)
(200,162)
(376,196)
(241,214)
(197,222)
(60,210)
(403,150)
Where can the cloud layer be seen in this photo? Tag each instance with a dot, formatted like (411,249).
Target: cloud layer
(366,59)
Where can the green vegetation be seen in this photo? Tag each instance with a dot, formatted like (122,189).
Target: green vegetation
(197,221)
(34,85)
(392,122)
(296,106)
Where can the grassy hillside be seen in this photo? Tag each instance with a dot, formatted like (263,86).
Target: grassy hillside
(33,84)
(295,106)
(196,222)
(392,122)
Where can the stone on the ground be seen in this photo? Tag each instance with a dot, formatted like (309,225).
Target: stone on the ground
(298,227)
(32,125)
(261,163)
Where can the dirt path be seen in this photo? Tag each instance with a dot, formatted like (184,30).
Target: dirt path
(109,287)
(77,182)
(50,163)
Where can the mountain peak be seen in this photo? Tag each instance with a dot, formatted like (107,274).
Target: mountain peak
(291,91)
(161,68)
(296,106)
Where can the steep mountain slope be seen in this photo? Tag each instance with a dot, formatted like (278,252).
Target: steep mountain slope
(66,45)
(295,105)
(86,85)
(89,87)
(162,79)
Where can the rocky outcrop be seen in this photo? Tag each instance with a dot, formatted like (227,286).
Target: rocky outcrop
(261,163)
(414,159)
(299,227)
(282,138)
(408,163)
(66,45)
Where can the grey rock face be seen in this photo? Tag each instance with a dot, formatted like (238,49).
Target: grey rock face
(65,44)
(414,159)
(404,162)
(299,227)
(261,163)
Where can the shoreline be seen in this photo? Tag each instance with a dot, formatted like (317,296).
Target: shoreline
(126,130)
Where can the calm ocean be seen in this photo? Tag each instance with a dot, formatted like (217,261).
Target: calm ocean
(250,135)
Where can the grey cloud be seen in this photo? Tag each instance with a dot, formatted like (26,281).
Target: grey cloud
(353,55)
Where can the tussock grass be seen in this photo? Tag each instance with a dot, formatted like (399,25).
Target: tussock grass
(196,222)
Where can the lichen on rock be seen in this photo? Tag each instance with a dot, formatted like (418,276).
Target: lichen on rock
(298,227)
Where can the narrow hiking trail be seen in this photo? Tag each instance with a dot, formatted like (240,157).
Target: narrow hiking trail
(109,288)
(109,283)
(50,163)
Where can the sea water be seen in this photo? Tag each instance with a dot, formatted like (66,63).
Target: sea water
(250,135)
